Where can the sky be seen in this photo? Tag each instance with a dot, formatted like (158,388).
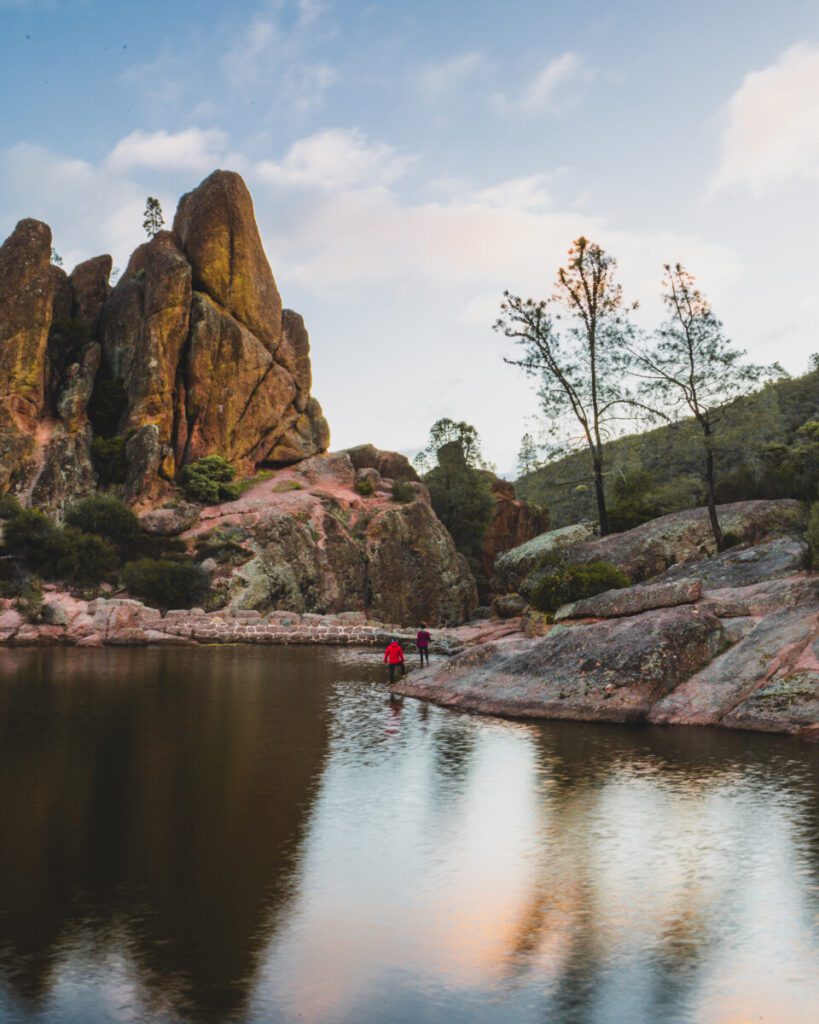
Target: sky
(409,162)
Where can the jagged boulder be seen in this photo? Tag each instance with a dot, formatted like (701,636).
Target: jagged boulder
(216,226)
(391,465)
(144,328)
(27,287)
(414,571)
(513,522)
(236,395)
(89,290)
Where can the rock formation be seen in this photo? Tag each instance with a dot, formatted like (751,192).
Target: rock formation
(654,547)
(313,544)
(513,522)
(193,336)
(728,640)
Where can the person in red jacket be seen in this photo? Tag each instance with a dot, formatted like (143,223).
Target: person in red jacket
(393,657)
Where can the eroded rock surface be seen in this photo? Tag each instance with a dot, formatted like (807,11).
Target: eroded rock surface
(730,640)
(312,543)
(193,332)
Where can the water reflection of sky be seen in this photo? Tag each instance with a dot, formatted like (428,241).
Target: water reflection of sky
(247,837)
(456,869)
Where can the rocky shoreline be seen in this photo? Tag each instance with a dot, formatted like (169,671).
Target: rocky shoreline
(728,639)
(69,621)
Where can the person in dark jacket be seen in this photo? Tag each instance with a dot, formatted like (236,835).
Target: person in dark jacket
(422,643)
(394,658)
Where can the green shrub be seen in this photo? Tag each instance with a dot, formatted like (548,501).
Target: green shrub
(12,577)
(162,583)
(87,560)
(572,581)
(29,601)
(209,480)
(730,540)
(108,456)
(9,506)
(35,540)
(365,488)
(633,503)
(813,535)
(402,492)
(106,517)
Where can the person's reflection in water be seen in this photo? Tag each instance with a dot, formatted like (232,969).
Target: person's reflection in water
(395,705)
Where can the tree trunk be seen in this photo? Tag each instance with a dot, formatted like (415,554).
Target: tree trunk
(600,494)
(709,490)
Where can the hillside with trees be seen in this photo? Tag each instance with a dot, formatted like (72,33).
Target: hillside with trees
(767,447)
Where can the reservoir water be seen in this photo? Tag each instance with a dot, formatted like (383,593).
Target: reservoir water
(259,835)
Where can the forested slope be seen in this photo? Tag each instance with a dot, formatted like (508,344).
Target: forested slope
(660,471)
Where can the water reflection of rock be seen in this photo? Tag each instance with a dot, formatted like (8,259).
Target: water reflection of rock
(154,802)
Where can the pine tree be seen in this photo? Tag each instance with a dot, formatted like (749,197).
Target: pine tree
(527,455)
(154,221)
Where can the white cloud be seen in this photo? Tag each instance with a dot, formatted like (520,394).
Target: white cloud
(553,88)
(338,158)
(439,80)
(245,58)
(310,11)
(91,209)
(194,149)
(772,124)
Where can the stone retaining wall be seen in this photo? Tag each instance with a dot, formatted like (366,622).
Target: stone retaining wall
(124,622)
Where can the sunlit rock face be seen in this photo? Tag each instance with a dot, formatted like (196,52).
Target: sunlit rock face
(193,336)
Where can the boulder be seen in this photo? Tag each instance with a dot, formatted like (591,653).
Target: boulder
(788,703)
(508,606)
(514,565)
(294,355)
(301,566)
(414,572)
(194,329)
(144,327)
(742,567)
(513,523)
(391,465)
(323,548)
(89,289)
(730,679)
(66,471)
(170,521)
(216,227)
(368,477)
(238,399)
(763,598)
(685,537)
(613,670)
(632,600)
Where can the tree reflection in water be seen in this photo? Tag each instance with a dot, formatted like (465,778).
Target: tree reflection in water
(262,835)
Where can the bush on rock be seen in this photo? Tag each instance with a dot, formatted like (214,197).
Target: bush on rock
(87,560)
(209,480)
(163,583)
(572,581)
(106,517)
